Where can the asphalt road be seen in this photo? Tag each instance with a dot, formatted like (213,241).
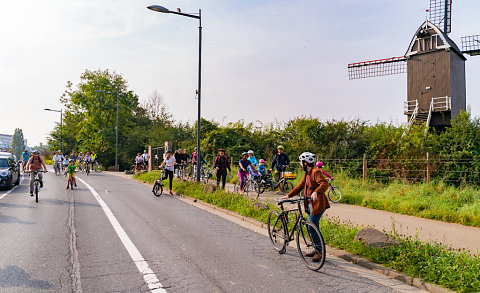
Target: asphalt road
(118,237)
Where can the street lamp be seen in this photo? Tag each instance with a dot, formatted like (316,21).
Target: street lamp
(61,123)
(116,128)
(162,9)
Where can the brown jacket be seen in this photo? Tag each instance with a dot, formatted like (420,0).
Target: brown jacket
(318,184)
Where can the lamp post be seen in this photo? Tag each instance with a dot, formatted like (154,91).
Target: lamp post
(199,17)
(116,128)
(61,123)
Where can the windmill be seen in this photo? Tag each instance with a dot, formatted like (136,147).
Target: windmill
(435,67)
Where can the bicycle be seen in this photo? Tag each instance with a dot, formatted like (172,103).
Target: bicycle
(36,183)
(268,182)
(87,168)
(71,182)
(158,185)
(334,192)
(96,167)
(58,168)
(280,236)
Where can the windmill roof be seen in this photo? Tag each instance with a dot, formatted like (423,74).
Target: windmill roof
(448,43)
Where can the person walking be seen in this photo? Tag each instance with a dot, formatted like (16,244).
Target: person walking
(169,163)
(280,162)
(314,186)
(221,166)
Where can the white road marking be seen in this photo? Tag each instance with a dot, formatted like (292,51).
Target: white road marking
(8,192)
(148,275)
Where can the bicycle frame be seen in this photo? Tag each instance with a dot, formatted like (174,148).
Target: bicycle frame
(284,216)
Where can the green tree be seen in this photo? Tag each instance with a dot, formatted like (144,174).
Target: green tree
(90,118)
(18,143)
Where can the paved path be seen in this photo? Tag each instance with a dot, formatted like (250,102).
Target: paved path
(112,235)
(453,235)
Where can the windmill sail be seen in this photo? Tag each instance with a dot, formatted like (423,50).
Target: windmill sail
(471,45)
(441,14)
(379,67)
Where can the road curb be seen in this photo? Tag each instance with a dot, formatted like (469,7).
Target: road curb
(415,282)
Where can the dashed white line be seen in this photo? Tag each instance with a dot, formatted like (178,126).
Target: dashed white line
(148,275)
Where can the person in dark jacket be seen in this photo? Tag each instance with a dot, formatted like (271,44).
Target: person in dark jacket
(221,166)
(280,162)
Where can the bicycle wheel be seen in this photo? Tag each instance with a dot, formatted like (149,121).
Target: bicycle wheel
(334,194)
(236,187)
(277,232)
(36,187)
(157,189)
(310,240)
(287,186)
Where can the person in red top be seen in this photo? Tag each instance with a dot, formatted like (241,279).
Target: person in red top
(314,185)
(35,163)
(221,165)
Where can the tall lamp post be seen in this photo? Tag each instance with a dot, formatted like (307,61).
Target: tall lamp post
(199,17)
(61,123)
(116,128)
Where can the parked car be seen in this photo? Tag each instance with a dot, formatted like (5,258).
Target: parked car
(9,170)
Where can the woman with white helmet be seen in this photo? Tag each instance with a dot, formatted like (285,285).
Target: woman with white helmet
(314,186)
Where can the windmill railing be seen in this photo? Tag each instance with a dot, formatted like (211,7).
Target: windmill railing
(441,104)
(409,107)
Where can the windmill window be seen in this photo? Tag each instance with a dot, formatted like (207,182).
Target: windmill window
(440,42)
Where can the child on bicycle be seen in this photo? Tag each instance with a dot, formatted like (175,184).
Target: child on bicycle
(314,186)
(242,174)
(70,169)
(320,166)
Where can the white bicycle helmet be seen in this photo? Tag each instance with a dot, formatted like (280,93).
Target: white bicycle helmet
(307,157)
(250,152)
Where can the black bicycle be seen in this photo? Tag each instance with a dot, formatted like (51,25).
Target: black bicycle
(268,182)
(158,185)
(310,243)
(36,184)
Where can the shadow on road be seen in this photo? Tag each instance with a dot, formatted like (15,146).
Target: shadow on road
(66,202)
(13,276)
(13,220)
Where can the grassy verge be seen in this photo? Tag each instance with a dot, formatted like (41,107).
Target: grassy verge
(434,263)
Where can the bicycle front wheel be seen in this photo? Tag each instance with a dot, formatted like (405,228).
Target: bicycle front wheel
(277,232)
(335,194)
(71,183)
(36,188)
(157,189)
(287,186)
(310,245)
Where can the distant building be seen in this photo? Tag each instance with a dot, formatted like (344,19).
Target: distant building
(6,142)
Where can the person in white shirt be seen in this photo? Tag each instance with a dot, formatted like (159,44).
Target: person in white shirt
(169,163)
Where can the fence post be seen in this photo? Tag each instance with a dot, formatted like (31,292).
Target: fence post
(428,167)
(149,158)
(364,167)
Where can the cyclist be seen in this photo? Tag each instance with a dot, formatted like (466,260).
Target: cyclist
(242,174)
(57,161)
(87,161)
(71,172)
(280,162)
(25,158)
(169,163)
(145,157)
(80,161)
(221,165)
(178,158)
(320,166)
(252,158)
(138,161)
(261,168)
(73,157)
(94,160)
(185,157)
(314,186)
(35,163)
(65,162)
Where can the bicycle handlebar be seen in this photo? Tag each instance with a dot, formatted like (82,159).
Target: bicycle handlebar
(282,201)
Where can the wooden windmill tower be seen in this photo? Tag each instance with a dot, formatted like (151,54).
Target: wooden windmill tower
(435,67)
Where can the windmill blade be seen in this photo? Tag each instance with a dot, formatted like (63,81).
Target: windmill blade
(471,45)
(441,14)
(379,67)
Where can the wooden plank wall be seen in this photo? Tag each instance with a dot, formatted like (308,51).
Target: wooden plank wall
(458,84)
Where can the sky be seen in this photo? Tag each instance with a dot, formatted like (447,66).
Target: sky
(262,61)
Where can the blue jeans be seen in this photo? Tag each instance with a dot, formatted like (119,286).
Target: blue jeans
(315,220)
